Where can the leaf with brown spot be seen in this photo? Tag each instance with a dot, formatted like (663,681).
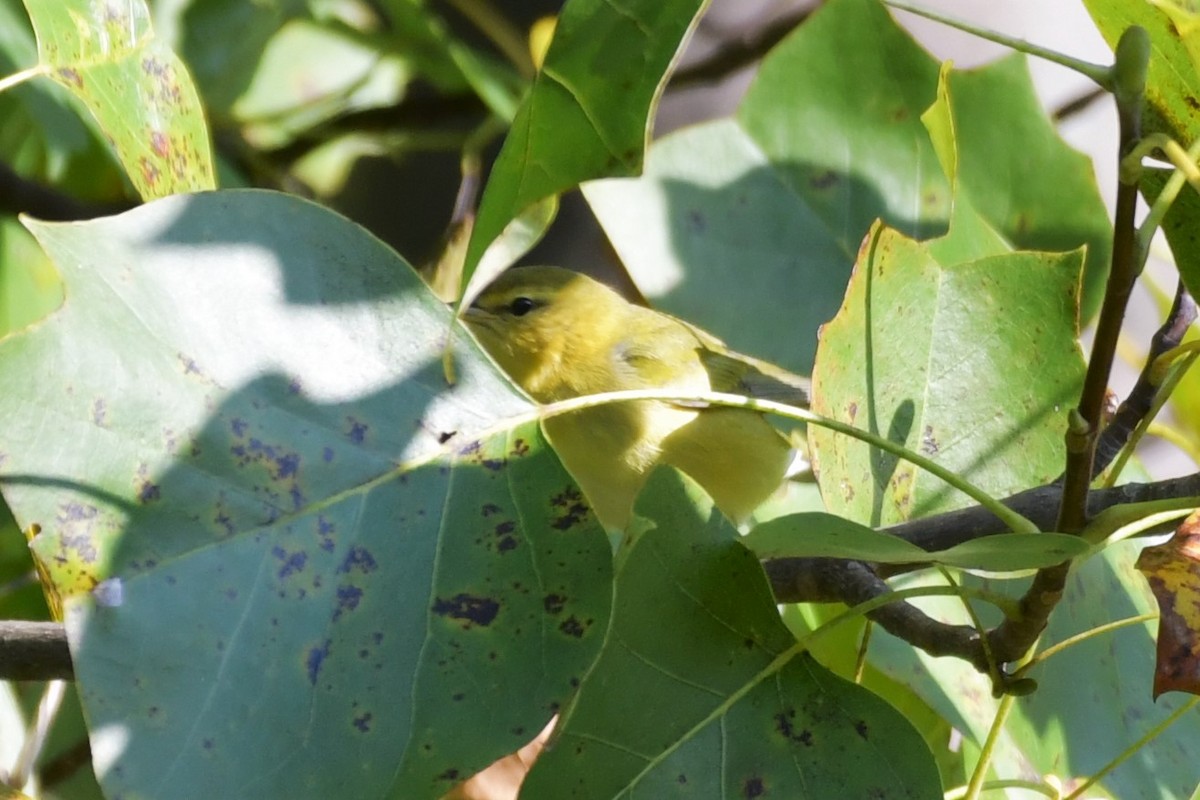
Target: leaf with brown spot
(712,686)
(923,390)
(1173,572)
(314,541)
(105,52)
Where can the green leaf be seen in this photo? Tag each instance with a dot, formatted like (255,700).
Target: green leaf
(1031,186)
(29,287)
(309,73)
(762,214)
(972,363)
(1172,89)
(135,86)
(817,535)
(1012,552)
(587,114)
(224,65)
(709,694)
(277,529)
(1093,704)
(420,34)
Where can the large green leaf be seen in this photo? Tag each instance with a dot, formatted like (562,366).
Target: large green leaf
(106,54)
(708,695)
(971,363)
(761,215)
(587,114)
(1033,188)
(278,530)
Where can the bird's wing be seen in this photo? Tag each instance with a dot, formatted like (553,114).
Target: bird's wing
(674,354)
(731,371)
(664,355)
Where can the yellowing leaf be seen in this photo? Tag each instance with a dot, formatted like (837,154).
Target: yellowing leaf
(1173,570)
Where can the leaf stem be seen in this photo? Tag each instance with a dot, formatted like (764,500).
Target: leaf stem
(1014,521)
(1126,266)
(497,27)
(1079,638)
(975,785)
(1126,80)
(1166,386)
(24,75)
(1097,72)
(1185,170)
(1041,787)
(1128,752)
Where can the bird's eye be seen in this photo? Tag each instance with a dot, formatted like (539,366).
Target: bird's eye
(520,306)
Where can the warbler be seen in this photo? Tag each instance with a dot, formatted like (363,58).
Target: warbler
(561,334)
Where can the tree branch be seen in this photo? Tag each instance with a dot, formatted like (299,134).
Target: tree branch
(38,650)
(1016,634)
(34,651)
(1140,402)
(21,196)
(808,580)
(739,53)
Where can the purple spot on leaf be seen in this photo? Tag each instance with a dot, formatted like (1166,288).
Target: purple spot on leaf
(348,598)
(316,658)
(292,562)
(358,559)
(468,609)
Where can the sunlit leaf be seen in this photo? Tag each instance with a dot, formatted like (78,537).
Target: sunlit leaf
(760,215)
(980,378)
(587,114)
(1172,89)
(278,530)
(106,54)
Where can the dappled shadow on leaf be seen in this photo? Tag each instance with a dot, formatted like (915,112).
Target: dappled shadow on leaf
(709,693)
(292,238)
(765,269)
(290,588)
(317,551)
(975,363)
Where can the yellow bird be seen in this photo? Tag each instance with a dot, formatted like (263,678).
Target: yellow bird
(560,334)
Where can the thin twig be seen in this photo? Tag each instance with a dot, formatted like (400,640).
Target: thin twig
(65,764)
(735,55)
(1078,104)
(1140,402)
